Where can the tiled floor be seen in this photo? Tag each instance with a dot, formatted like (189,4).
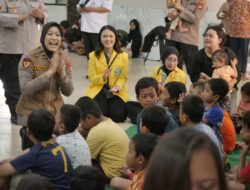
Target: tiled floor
(9,137)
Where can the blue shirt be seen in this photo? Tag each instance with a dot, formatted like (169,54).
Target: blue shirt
(214,117)
(50,162)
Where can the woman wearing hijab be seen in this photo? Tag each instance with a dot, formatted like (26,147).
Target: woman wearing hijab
(136,37)
(44,73)
(169,71)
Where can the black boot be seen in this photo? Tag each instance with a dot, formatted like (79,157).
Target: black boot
(26,142)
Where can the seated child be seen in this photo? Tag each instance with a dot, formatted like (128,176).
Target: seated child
(154,120)
(45,157)
(227,129)
(243,171)
(215,91)
(108,142)
(141,147)
(243,106)
(197,88)
(34,181)
(86,178)
(147,95)
(67,121)
(224,63)
(173,16)
(170,98)
(191,112)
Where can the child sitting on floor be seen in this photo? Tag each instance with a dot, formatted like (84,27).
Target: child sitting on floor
(141,147)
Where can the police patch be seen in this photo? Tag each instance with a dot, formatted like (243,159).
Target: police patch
(26,63)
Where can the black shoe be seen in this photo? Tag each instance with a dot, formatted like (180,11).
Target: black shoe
(13,119)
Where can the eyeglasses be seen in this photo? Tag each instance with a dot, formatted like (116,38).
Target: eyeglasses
(171,60)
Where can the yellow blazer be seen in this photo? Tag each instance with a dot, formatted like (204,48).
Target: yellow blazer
(118,75)
(176,75)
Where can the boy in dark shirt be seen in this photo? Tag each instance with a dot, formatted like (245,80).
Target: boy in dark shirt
(45,157)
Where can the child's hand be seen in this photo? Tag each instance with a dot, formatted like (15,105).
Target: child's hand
(245,149)
(125,171)
(234,62)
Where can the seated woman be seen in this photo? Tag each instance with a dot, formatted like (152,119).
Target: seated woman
(44,73)
(108,74)
(135,37)
(169,70)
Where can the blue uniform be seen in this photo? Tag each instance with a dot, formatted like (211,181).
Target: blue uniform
(50,161)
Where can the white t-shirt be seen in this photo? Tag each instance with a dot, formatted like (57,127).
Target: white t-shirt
(92,22)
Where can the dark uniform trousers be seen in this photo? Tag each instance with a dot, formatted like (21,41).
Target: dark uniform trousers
(90,42)
(9,76)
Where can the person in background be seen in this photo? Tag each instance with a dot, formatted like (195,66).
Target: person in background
(190,12)
(94,15)
(135,37)
(19,33)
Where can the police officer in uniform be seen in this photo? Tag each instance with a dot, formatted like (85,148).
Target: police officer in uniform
(19,33)
(190,12)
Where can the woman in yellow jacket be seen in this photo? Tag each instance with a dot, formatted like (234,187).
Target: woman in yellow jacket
(169,71)
(108,74)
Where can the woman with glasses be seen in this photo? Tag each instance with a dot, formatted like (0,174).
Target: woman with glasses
(169,71)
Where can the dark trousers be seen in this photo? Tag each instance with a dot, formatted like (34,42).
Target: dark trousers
(113,107)
(9,76)
(240,48)
(187,53)
(90,42)
(133,109)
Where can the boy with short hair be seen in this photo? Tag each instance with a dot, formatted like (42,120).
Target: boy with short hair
(108,143)
(147,92)
(141,147)
(170,97)
(45,157)
(197,88)
(191,112)
(215,91)
(87,178)
(67,121)
(154,120)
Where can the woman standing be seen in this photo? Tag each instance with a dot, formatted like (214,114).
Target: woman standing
(108,74)
(214,38)
(44,73)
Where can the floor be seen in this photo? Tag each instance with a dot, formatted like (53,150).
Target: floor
(9,137)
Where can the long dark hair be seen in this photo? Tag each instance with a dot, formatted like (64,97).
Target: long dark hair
(170,163)
(100,46)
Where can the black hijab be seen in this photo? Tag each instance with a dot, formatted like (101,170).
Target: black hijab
(166,52)
(45,29)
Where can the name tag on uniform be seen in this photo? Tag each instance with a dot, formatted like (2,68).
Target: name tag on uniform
(39,68)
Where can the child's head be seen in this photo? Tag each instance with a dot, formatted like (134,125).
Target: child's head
(64,25)
(154,120)
(197,88)
(222,57)
(40,125)
(141,147)
(245,92)
(215,90)
(245,131)
(146,90)
(87,178)
(67,119)
(171,94)
(34,181)
(90,113)
(191,110)
(185,159)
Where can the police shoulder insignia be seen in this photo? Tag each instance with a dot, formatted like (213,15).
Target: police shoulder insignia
(27,63)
